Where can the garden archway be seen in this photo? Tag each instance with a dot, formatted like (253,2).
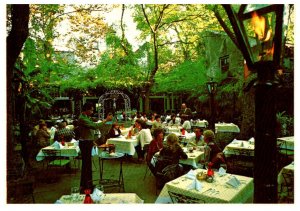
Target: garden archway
(112,97)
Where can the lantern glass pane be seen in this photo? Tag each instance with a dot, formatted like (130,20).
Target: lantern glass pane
(260,31)
(209,87)
(254,7)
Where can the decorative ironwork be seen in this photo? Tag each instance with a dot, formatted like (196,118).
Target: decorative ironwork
(112,95)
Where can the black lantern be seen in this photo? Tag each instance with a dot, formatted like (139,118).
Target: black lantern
(259,34)
(259,31)
(212,88)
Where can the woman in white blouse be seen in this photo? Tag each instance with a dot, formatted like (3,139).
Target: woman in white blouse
(143,137)
(186,124)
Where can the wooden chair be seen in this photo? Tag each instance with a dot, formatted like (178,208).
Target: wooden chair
(183,199)
(54,158)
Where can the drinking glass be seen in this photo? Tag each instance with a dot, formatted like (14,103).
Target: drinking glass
(75,193)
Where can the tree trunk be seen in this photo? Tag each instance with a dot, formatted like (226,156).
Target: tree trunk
(14,41)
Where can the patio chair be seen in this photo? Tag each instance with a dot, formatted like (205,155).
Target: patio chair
(146,148)
(178,198)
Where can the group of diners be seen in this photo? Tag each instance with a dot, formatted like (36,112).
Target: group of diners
(42,135)
(163,158)
(152,137)
(184,118)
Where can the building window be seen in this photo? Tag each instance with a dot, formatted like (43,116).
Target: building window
(224,63)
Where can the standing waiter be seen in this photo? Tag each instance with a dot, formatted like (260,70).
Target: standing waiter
(86,129)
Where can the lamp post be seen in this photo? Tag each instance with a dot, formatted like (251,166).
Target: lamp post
(212,87)
(143,96)
(259,33)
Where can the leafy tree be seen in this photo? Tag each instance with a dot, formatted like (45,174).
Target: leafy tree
(169,31)
(86,28)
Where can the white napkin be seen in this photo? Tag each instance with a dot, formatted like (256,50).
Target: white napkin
(196,185)
(97,195)
(191,174)
(52,132)
(56,145)
(95,151)
(222,171)
(58,202)
(234,182)
(76,143)
(251,140)
(234,141)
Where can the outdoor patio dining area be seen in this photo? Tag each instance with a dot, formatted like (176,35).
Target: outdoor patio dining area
(134,183)
(154,104)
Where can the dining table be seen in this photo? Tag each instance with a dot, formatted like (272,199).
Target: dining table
(109,198)
(173,129)
(200,123)
(66,151)
(225,188)
(286,142)
(194,156)
(239,147)
(186,138)
(123,144)
(285,178)
(108,181)
(226,127)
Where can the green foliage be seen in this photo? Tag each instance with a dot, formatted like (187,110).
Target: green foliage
(187,77)
(286,123)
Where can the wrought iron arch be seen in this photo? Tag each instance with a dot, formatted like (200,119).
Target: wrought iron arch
(114,95)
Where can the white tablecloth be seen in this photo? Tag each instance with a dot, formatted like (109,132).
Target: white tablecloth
(193,157)
(226,127)
(71,151)
(109,198)
(187,136)
(239,147)
(215,192)
(286,142)
(173,129)
(287,169)
(124,145)
(200,123)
